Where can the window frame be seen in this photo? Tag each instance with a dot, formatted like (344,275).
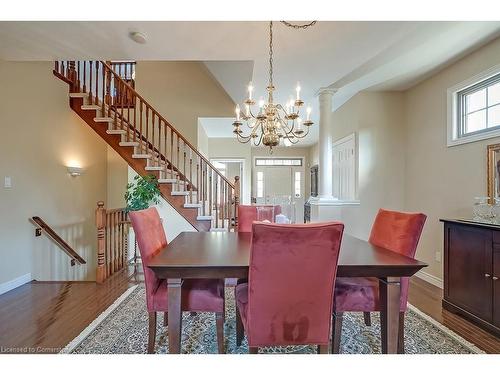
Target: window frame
(280,158)
(456,105)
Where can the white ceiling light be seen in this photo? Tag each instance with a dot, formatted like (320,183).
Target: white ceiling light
(138,37)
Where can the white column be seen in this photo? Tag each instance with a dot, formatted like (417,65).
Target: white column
(325,168)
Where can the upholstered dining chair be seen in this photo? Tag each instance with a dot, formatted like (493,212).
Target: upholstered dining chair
(392,230)
(289,294)
(247,214)
(197,295)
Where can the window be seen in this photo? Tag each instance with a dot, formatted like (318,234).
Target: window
(344,168)
(260,184)
(297,184)
(479,107)
(273,162)
(474,109)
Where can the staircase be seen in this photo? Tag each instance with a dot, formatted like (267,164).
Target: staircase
(150,144)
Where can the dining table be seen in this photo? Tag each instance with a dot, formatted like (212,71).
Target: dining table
(221,255)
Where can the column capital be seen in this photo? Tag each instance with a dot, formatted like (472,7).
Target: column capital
(323,91)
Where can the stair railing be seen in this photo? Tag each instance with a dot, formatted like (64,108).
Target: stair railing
(178,160)
(112,241)
(42,226)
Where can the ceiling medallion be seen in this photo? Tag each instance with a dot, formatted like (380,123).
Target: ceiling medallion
(273,122)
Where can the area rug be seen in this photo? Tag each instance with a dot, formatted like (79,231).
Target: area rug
(123,329)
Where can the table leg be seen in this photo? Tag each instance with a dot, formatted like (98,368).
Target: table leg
(174,315)
(390,294)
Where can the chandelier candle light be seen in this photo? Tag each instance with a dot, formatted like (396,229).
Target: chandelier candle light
(272,122)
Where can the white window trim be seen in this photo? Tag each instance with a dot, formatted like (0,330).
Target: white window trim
(451,94)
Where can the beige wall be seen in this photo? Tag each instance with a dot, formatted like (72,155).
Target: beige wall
(41,135)
(117,178)
(202,141)
(441,181)
(182,92)
(377,120)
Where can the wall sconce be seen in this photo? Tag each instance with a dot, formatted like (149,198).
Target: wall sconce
(75,171)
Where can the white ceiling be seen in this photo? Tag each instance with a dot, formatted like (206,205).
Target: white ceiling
(350,56)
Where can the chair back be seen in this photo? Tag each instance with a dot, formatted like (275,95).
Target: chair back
(150,237)
(398,232)
(291,280)
(247,214)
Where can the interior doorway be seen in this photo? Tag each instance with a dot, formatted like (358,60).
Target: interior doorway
(230,168)
(275,178)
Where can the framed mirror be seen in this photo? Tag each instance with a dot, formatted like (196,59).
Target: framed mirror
(494,171)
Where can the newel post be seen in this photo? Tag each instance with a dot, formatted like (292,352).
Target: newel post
(100,221)
(236,199)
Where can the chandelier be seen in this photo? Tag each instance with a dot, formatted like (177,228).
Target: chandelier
(273,122)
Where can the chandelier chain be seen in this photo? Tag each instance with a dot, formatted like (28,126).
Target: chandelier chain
(303,26)
(271,54)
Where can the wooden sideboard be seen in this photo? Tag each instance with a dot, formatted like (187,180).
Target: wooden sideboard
(472,272)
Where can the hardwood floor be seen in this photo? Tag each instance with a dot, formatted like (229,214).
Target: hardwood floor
(427,298)
(46,316)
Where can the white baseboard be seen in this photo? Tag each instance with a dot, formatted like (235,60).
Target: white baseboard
(12,284)
(436,281)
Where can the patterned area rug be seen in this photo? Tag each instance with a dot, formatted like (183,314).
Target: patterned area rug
(123,328)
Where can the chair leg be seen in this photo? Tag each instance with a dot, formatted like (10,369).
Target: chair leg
(152,332)
(368,319)
(253,349)
(323,349)
(165,319)
(239,328)
(336,331)
(401,333)
(219,320)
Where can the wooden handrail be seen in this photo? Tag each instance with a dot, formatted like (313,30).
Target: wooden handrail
(186,142)
(62,244)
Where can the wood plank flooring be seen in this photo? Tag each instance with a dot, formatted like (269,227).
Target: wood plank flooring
(43,317)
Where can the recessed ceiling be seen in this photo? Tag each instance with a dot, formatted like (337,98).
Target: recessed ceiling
(350,56)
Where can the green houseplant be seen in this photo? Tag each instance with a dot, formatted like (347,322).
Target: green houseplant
(141,193)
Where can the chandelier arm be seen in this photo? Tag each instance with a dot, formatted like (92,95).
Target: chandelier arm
(291,139)
(257,143)
(251,113)
(245,138)
(306,132)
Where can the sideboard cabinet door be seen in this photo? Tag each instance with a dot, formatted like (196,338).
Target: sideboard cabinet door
(496,286)
(469,268)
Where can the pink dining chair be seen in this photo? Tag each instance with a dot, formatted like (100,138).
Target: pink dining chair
(392,230)
(197,294)
(288,298)
(247,214)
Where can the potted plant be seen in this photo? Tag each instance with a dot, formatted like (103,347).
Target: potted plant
(142,193)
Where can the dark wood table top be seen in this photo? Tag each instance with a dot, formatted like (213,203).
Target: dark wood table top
(227,254)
